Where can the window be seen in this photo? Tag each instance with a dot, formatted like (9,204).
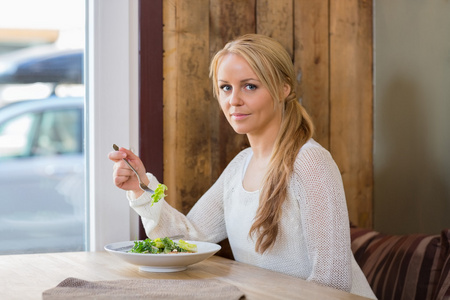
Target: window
(15,135)
(42,157)
(60,132)
(42,178)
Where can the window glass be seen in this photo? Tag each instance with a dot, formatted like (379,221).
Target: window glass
(15,135)
(42,163)
(59,133)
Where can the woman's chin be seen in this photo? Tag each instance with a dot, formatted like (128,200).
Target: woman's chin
(239,130)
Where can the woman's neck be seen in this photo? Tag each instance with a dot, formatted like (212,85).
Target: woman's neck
(262,145)
(258,165)
(262,150)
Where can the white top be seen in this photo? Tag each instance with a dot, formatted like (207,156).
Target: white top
(313,241)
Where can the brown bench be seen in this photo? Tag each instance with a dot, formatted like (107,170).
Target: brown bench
(415,266)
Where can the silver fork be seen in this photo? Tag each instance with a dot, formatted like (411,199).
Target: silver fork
(142,185)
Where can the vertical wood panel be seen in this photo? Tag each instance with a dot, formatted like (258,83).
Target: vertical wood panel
(230,19)
(170,73)
(312,63)
(188,149)
(352,102)
(275,19)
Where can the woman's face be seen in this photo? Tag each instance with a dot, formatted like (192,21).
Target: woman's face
(245,101)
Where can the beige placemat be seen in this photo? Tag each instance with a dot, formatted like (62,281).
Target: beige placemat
(74,288)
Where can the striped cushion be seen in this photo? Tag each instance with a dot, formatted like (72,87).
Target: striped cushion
(443,288)
(404,266)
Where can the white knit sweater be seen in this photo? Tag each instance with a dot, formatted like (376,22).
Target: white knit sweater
(313,241)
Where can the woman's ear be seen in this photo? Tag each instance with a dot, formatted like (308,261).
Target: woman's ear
(286,90)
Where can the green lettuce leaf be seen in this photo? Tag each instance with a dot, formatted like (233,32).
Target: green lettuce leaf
(159,193)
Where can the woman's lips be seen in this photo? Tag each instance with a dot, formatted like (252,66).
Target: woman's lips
(238,116)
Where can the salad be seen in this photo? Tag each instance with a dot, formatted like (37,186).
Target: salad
(163,246)
(159,193)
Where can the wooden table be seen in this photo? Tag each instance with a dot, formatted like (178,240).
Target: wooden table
(27,276)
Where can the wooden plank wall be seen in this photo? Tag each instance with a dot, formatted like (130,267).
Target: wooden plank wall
(331,45)
(351,103)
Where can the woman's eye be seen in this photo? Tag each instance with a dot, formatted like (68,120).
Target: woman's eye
(250,87)
(225,88)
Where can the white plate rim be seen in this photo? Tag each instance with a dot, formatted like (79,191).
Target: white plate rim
(148,262)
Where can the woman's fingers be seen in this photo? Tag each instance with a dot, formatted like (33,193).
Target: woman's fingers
(123,176)
(128,153)
(134,160)
(116,155)
(122,169)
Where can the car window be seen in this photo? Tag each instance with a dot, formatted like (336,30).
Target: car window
(16,135)
(60,132)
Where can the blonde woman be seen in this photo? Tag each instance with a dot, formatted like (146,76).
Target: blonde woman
(281,202)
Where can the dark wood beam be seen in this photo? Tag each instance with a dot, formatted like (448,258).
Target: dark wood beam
(151,88)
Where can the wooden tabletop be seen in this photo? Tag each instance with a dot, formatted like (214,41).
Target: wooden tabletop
(27,276)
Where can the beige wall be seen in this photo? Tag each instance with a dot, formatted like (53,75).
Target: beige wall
(412,116)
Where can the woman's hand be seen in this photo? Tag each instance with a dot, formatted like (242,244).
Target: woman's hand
(123,176)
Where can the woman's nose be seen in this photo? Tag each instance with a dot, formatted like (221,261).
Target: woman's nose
(235,98)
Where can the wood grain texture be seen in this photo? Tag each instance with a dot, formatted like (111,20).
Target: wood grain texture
(312,63)
(275,19)
(351,103)
(170,95)
(187,103)
(28,276)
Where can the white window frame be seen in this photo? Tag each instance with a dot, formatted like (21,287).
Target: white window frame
(111,115)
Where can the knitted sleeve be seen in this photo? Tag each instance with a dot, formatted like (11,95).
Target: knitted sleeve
(319,190)
(205,221)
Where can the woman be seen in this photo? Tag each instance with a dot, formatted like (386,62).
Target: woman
(281,202)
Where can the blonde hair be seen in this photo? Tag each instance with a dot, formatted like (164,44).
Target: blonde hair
(273,66)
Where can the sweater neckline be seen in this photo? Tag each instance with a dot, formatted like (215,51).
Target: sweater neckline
(244,169)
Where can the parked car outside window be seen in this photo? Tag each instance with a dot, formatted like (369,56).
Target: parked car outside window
(42,176)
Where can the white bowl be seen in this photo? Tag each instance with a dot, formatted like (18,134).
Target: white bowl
(162,262)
